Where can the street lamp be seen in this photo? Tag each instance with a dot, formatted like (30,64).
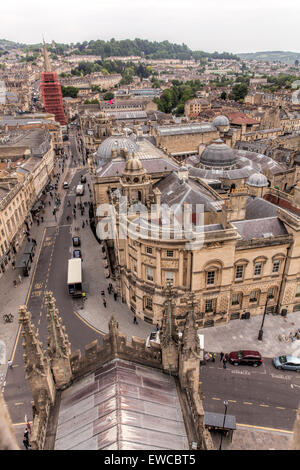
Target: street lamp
(261,332)
(225,404)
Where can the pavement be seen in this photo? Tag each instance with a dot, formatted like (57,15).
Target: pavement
(242,334)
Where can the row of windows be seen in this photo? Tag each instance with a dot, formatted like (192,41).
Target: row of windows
(149,250)
(239,272)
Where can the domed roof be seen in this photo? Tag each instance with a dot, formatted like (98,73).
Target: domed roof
(133,164)
(257,179)
(218,154)
(221,121)
(115,142)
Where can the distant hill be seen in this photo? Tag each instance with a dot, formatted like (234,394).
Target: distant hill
(126,47)
(286,57)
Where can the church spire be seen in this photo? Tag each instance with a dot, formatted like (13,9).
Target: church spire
(59,347)
(168,334)
(47,66)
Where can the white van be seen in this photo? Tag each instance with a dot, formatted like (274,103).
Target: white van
(79,190)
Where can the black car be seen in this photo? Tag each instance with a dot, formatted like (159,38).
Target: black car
(76,241)
(83,179)
(77,254)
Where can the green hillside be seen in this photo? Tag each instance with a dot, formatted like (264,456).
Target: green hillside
(286,57)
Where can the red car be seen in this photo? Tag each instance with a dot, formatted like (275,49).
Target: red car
(244,357)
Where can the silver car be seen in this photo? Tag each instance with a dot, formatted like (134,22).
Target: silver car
(287,362)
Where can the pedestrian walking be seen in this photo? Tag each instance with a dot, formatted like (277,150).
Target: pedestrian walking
(34,241)
(42,219)
(157,327)
(26,443)
(13,263)
(10,364)
(20,278)
(224,362)
(102,292)
(104,302)
(28,427)
(221,356)
(213,357)
(115,295)
(49,203)
(26,435)
(86,222)
(83,224)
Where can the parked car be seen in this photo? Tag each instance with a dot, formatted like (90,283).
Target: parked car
(66,185)
(244,357)
(154,336)
(287,362)
(83,179)
(77,254)
(76,241)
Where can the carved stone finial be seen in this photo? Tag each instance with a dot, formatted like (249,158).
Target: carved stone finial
(59,347)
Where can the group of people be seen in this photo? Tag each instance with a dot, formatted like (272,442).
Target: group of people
(110,290)
(212,357)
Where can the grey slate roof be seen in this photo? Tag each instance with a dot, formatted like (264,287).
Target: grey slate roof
(260,228)
(258,208)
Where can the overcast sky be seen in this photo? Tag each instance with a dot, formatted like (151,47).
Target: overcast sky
(209,25)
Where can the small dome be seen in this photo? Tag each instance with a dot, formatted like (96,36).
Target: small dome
(218,154)
(221,121)
(258,180)
(133,164)
(115,142)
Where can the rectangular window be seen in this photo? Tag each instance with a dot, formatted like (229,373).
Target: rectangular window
(148,303)
(210,278)
(239,272)
(170,253)
(276,266)
(257,269)
(235,299)
(253,296)
(149,274)
(169,276)
(134,265)
(209,305)
(271,293)
(149,250)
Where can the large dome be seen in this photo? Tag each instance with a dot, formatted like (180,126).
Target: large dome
(115,142)
(221,121)
(258,180)
(218,154)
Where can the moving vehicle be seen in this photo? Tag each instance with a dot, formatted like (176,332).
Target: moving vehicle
(66,185)
(201,344)
(244,357)
(79,190)
(154,336)
(287,362)
(77,254)
(75,277)
(76,241)
(83,179)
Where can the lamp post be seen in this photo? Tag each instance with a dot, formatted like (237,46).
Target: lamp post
(261,332)
(225,412)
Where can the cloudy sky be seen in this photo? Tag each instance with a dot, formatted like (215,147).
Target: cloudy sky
(209,25)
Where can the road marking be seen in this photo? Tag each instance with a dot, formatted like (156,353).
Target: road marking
(294,385)
(232,401)
(266,406)
(88,324)
(262,427)
(280,407)
(22,424)
(214,398)
(19,403)
(247,403)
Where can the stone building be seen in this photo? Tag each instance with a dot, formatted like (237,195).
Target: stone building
(233,259)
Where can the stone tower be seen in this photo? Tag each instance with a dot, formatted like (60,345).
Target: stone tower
(136,184)
(168,335)
(59,347)
(37,365)
(189,355)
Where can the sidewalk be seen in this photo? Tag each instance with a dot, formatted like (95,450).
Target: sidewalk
(242,334)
